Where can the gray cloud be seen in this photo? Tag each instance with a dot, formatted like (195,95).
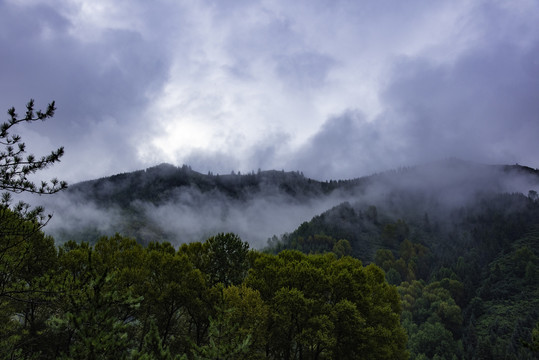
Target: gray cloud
(335,89)
(344,144)
(96,84)
(482,106)
(304,70)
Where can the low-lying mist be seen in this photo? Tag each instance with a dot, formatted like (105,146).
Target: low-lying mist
(179,205)
(188,213)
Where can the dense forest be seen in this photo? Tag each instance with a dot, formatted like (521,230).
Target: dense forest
(445,269)
(468,276)
(118,299)
(393,278)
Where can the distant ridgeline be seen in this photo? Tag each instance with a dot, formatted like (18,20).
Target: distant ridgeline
(131,199)
(137,203)
(426,202)
(158,184)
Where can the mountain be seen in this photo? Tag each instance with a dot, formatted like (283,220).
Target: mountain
(462,247)
(178,204)
(459,240)
(158,184)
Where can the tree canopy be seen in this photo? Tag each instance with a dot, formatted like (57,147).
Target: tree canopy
(119,299)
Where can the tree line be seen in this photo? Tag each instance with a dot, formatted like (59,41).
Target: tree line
(212,300)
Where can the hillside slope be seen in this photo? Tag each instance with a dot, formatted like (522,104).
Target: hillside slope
(178,204)
(459,240)
(463,252)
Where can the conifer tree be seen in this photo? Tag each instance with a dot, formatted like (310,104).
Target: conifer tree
(16,165)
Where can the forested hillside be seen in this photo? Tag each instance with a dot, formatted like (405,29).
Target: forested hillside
(451,252)
(467,270)
(178,204)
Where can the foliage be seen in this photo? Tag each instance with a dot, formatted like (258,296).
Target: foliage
(327,307)
(467,276)
(28,259)
(15,167)
(119,299)
(227,259)
(224,340)
(153,349)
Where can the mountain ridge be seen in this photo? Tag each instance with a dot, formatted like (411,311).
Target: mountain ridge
(174,176)
(459,241)
(259,205)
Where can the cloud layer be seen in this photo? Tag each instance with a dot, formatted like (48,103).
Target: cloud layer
(336,89)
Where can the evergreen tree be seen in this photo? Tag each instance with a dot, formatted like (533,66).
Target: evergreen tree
(16,166)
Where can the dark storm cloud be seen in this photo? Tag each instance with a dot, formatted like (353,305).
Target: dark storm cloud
(482,107)
(345,144)
(332,88)
(96,83)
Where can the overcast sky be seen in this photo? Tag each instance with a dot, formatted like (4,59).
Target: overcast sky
(336,89)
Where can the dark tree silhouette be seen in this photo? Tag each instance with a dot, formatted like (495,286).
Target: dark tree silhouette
(16,165)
